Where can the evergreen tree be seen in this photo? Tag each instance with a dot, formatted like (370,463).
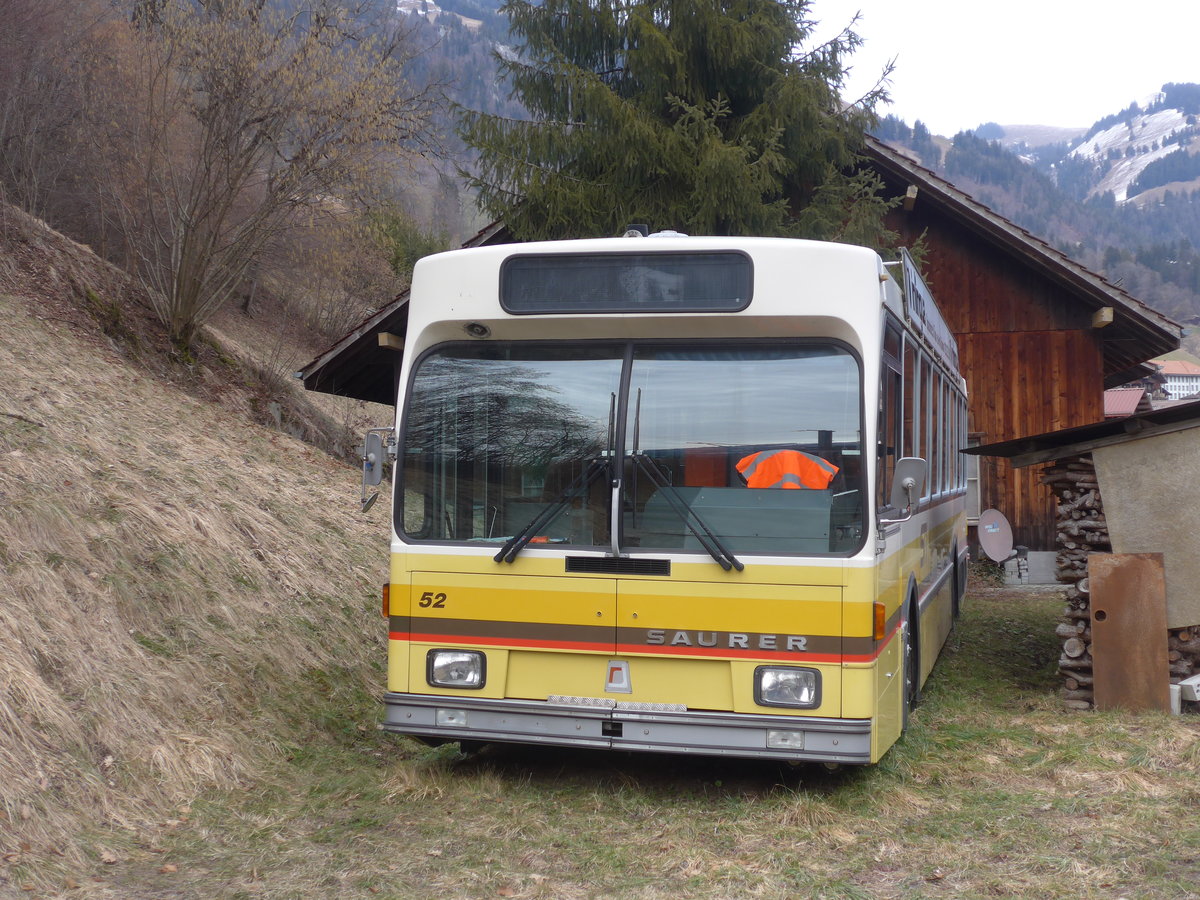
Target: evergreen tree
(701,115)
(923,144)
(891,128)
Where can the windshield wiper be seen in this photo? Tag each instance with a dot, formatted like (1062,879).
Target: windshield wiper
(704,534)
(515,544)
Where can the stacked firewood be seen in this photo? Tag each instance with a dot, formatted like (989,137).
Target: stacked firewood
(1183,652)
(1075,663)
(1082,529)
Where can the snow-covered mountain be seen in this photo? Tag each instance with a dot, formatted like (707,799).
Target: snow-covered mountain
(1123,196)
(1121,152)
(1135,155)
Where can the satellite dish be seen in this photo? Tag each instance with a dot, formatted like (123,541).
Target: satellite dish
(995,535)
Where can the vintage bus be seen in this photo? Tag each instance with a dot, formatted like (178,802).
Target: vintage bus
(679,494)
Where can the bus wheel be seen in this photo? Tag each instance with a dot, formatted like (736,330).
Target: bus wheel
(911,661)
(960,581)
(956,589)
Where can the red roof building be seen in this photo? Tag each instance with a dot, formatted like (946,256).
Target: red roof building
(1125,401)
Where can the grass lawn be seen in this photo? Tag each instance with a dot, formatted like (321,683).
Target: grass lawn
(995,791)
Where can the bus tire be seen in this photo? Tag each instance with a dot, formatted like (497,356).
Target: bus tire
(956,588)
(911,665)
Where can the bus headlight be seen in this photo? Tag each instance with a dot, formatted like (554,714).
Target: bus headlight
(787,686)
(456,669)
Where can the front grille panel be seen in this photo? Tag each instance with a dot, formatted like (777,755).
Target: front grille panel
(615,565)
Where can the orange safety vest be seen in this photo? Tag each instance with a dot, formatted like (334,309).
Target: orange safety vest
(786,469)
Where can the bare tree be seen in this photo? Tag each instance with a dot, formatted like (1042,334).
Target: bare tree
(246,120)
(333,273)
(49,54)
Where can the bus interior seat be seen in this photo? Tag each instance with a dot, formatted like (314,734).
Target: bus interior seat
(706,467)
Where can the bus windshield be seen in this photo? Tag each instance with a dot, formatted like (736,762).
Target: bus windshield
(759,444)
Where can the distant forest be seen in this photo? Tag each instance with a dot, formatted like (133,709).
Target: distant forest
(1178,166)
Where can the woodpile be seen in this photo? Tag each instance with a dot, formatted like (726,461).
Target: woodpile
(1081,529)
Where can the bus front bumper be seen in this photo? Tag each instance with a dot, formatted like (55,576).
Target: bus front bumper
(580,722)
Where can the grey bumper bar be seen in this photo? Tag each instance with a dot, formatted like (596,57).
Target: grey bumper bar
(570,725)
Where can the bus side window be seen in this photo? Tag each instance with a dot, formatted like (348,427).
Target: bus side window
(927,449)
(890,412)
(889,432)
(911,447)
(937,434)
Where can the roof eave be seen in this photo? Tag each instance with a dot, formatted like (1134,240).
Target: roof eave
(1048,447)
(353,367)
(1159,333)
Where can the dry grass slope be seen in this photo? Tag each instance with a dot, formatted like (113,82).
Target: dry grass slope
(170,574)
(190,655)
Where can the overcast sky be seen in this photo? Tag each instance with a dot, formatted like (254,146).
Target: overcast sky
(960,63)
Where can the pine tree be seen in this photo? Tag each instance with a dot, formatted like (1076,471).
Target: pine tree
(703,116)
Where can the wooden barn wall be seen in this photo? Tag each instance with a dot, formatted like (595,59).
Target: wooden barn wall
(1032,361)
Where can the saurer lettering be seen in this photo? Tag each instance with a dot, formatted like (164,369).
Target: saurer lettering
(791,643)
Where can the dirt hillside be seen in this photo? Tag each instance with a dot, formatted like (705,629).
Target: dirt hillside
(174,578)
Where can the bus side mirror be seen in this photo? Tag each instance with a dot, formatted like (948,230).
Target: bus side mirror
(372,459)
(374,453)
(908,481)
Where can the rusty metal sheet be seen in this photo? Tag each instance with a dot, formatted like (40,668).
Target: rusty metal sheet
(1129,631)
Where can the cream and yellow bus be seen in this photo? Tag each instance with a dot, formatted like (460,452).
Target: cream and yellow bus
(676,494)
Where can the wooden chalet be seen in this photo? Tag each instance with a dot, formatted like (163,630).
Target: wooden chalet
(1040,337)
